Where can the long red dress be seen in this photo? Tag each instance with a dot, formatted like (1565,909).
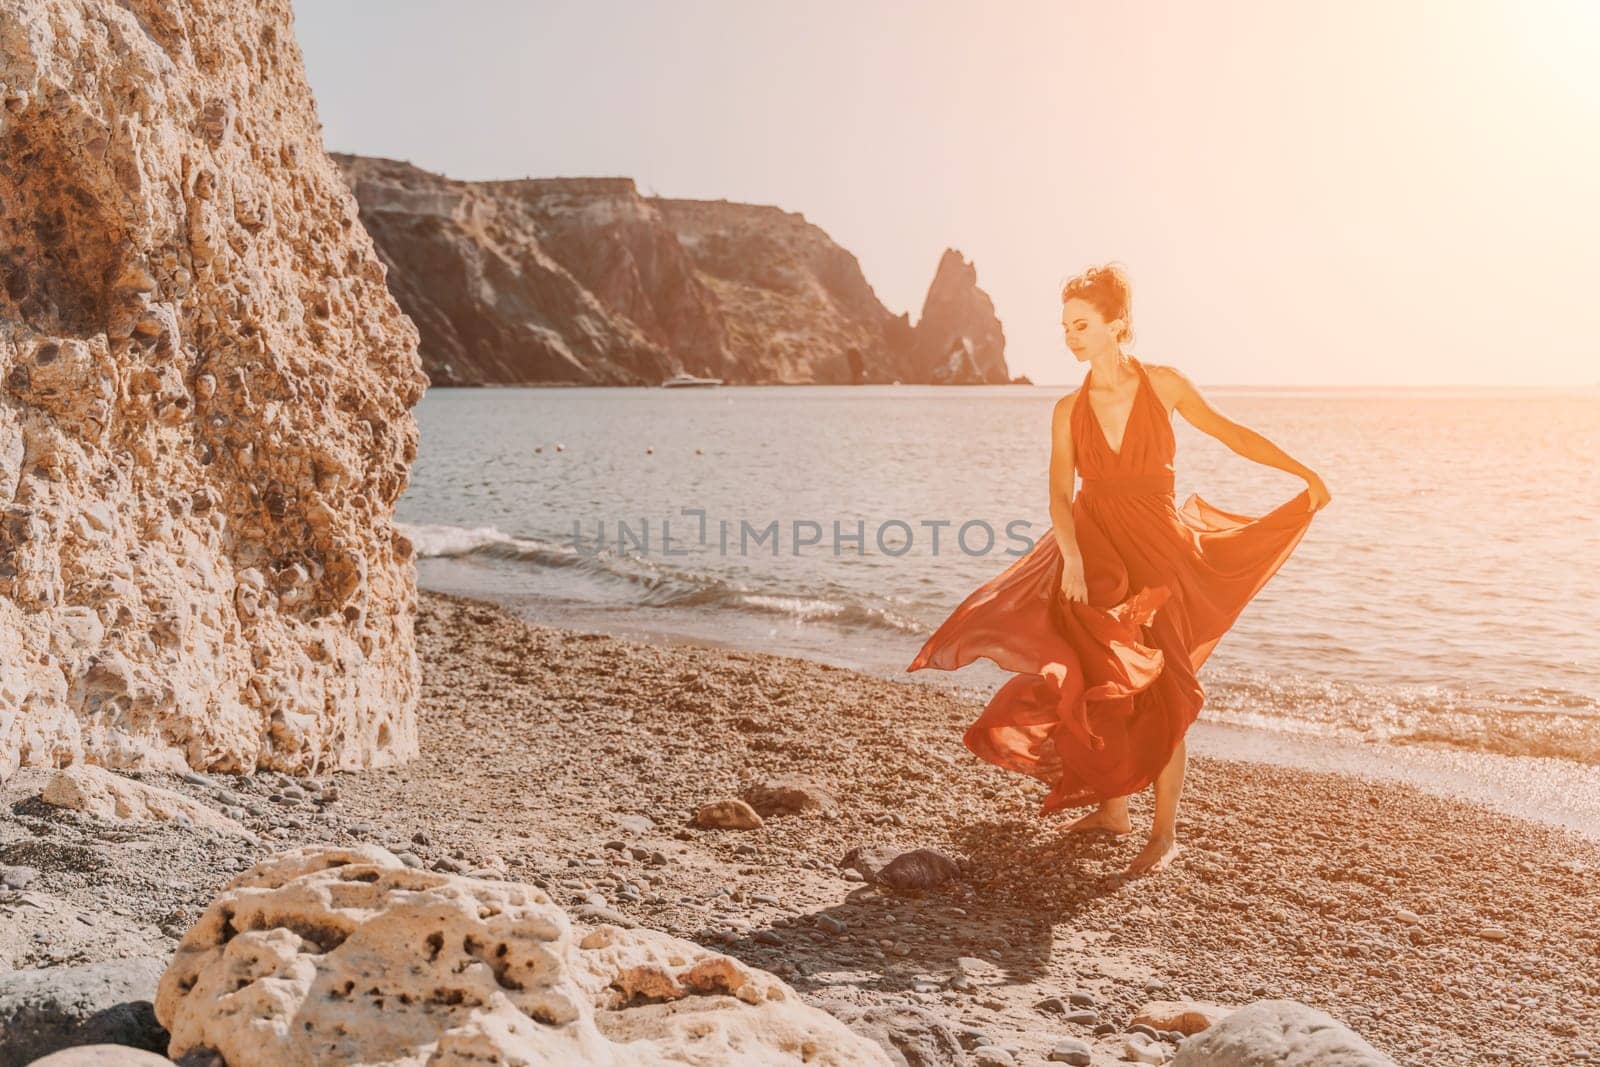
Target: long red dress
(1104,691)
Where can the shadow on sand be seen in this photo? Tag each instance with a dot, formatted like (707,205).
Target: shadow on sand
(1019,884)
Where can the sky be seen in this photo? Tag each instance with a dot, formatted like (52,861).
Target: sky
(1313,192)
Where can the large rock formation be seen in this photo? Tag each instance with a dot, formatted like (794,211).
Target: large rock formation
(204,415)
(584,280)
(329,955)
(959,339)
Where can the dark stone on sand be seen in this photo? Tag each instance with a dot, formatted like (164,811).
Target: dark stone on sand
(904,872)
(788,796)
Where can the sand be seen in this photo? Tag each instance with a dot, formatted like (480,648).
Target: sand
(1443,931)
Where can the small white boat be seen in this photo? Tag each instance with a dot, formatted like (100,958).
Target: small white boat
(679,381)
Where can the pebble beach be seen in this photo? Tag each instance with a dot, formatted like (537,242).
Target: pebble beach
(1441,931)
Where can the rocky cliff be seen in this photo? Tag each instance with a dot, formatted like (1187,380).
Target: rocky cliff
(585,280)
(204,405)
(795,303)
(959,339)
(470,264)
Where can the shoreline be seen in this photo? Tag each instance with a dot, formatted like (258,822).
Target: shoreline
(1442,931)
(1551,790)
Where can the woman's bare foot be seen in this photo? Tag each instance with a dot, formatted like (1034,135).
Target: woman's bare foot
(1112,816)
(1159,851)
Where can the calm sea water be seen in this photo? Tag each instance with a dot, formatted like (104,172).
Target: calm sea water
(1449,593)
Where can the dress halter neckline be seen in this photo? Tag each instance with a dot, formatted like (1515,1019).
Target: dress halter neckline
(1132,410)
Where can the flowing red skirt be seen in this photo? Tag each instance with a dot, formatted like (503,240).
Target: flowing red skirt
(1105,690)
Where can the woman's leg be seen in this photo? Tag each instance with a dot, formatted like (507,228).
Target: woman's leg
(1111,815)
(1163,843)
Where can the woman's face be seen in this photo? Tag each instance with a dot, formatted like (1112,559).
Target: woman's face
(1086,332)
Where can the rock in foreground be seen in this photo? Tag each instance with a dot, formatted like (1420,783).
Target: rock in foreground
(1279,1033)
(205,393)
(49,1008)
(346,956)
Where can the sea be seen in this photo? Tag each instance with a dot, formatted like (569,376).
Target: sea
(1447,597)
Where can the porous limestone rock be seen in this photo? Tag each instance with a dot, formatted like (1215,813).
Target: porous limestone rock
(333,955)
(1279,1033)
(101,793)
(205,394)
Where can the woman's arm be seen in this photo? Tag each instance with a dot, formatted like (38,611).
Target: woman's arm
(1063,474)
(1240,438)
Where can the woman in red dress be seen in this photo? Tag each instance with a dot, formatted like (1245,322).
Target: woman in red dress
(1106,622)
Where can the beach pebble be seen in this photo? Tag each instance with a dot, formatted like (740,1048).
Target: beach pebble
(1071,1050)
(410,859)
(1054,1005)
(17,877)
(1081,998)
(992,1056)
(1493,933)
(1140,1049)
(830,924)
(1410,918)
(767,937)
(1145,1030)
(970,1038)
(1180,1016)
(730,814)
(1083,1017)
(788,796)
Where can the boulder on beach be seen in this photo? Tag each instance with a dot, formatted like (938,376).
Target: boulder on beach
(49,1008)
(101,793)
(1279,1033)
(345,955)
(205,406)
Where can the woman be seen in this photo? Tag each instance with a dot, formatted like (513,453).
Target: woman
(1106,622)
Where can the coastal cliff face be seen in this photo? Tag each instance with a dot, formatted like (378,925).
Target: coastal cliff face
(470,264)
(204,405)
(794,301)
(584,280)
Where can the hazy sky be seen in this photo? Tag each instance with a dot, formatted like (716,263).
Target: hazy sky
(1328,192)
